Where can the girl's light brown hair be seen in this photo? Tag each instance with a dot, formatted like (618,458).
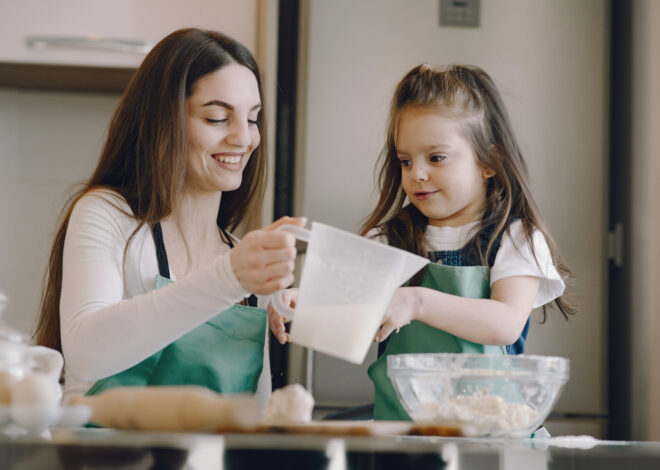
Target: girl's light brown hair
(468,94)
(145,155)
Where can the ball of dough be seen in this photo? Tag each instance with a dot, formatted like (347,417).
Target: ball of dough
(36,390)
(7,381)
(290,404)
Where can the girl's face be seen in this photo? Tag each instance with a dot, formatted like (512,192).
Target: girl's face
(222,127)
(439,169)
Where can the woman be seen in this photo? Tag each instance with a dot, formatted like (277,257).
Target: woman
(180,168)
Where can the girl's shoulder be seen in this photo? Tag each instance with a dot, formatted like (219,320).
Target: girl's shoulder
(516,237)
(519,255)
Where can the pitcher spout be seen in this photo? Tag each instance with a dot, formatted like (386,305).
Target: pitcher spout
(411,265)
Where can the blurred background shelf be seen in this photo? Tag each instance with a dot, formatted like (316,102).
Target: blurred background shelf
(61,77)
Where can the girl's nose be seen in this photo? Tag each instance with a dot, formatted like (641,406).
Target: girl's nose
(420,173)
(239,134)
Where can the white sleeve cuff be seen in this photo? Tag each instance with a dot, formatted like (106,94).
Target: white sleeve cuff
(234,288)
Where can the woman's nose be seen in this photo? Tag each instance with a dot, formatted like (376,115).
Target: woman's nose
(239,134)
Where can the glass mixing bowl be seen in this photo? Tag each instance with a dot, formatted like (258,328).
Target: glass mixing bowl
(486,395)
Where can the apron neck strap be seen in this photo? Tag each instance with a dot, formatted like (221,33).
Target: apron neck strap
(161,254)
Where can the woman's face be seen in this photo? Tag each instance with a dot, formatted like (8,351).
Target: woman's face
(222,127)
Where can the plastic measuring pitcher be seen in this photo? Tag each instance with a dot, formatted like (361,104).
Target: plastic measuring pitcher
(347,282)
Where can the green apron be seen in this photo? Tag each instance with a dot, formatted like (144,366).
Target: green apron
(418,337)
(224,354)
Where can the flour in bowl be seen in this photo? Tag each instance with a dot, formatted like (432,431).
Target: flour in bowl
(487,414)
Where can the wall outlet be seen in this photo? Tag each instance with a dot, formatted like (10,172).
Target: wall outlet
(463,13)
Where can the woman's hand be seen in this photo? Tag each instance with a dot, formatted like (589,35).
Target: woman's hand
(263,261)
(401,310)
(276,321)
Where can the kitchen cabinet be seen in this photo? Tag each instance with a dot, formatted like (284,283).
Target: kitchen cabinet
(95,45)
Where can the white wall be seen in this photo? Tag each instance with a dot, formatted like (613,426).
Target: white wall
(549,59)
(646,219)
(48,142)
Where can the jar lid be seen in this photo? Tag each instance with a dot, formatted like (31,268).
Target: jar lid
(12,335)
(8,333)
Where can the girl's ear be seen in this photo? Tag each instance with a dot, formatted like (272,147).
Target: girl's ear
(487,172)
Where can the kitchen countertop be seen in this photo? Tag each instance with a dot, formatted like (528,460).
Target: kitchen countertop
(102,448)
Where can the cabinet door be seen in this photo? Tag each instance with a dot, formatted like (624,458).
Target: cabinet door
(81,32)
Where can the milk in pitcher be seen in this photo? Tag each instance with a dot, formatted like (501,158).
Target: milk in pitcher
(345,331)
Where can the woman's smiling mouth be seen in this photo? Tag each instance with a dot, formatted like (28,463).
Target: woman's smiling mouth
(229,161)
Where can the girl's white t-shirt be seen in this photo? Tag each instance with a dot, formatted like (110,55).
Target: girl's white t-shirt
(514,257)
(111,318)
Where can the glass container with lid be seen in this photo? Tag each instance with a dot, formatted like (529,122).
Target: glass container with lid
(19,357)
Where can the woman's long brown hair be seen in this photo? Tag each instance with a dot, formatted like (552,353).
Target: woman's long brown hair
(145,155)
(468,94)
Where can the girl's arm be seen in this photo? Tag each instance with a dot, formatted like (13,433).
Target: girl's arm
(498,320)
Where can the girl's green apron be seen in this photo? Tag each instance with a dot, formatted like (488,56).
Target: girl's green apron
(224,354)
(418,337)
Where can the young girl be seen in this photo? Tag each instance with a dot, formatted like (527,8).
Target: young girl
(451,152)
(144,279)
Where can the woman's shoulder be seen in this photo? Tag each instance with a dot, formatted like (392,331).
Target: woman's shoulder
(103,197)
(103,209)
(103,201)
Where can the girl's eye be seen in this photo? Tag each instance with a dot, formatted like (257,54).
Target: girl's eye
(252,122)
(215,121)
(405,162)
(437,158)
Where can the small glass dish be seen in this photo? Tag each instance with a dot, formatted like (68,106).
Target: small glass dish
(35,419)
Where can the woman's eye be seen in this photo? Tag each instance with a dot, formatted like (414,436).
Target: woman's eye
(252,122)
(437,158)
(405,162)
(215,121)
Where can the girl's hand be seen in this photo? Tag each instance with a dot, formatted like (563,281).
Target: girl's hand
(276,321)
(263,262)
(401,311)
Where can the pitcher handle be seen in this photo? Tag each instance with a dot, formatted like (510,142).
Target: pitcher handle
(298,232)
(276,297)
(278,304)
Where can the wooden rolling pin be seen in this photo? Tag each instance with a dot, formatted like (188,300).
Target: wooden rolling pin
(177,408)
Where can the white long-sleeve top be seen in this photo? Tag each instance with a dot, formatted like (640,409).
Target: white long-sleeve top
(111,318)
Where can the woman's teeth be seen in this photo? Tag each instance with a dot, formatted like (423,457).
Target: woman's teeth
(227,159)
